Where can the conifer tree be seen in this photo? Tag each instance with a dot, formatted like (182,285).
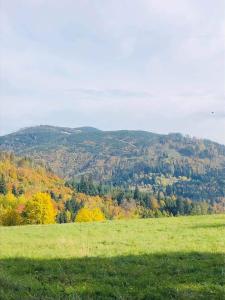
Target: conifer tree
(3,187)
(136,193)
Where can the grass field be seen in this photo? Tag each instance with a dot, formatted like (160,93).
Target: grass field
(169,258)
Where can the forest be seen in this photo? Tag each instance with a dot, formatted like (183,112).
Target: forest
(170,164)
(31,194)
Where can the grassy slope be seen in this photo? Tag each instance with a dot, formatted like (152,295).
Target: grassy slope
(174,258)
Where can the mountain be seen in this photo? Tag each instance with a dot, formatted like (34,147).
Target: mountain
(172,163)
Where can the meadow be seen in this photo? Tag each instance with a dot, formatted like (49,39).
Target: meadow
(166,258)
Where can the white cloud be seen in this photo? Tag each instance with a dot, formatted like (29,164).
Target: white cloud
(153,64)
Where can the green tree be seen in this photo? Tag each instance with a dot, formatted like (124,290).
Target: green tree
(3,186)
(136,193)
(14,191)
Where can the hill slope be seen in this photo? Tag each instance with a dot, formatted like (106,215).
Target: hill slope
(127,157)
(24,176)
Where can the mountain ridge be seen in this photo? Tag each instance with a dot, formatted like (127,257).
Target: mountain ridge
(94,129)
(125,157)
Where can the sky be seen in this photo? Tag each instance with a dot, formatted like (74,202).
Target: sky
(155,65)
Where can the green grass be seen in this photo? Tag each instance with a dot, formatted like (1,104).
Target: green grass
(170,258)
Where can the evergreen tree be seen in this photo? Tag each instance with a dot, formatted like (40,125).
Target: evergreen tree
(91,190)
(3,187)
(136,193)
(82,186)
(14,191)
(100,189)
(61,217)
(180,206)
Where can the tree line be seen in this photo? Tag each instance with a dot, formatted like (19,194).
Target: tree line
(30,194)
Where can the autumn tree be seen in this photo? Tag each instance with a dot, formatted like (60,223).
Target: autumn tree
(40,209)
(8,201)
(9,213)
(11,217)
(153,203)
(88,215)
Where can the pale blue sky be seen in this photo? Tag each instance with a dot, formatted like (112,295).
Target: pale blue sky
(156,65)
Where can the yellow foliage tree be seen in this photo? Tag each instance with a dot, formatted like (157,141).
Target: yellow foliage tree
(2,214)
(153,203)
(11,217)
(97,215)
(9,213)
(40,209)
(8,200)
(68,216)
(89,215)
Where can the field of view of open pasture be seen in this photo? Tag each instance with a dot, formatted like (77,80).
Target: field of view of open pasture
(167,258)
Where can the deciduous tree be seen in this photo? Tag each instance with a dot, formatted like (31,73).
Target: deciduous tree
(40,210)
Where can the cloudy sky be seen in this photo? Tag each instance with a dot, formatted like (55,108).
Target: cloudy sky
(156,65)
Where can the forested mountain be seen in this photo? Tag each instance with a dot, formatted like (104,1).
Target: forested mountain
(168,164)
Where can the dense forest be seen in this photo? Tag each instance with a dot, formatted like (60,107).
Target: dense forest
(31,194)
(167,164)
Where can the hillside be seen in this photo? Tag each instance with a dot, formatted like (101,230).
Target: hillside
(170,258)
(23,176)
(189,167)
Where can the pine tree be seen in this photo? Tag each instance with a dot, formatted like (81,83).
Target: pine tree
(136,193)
(3,187)
(83,188)
(14,191)
(90,186)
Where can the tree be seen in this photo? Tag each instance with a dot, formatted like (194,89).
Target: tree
(14,190)
(153,203)
(136,193)
(84,215)
(8,201)
(11,217)
(68,216)
(3,187)
(180,206)
(100,189)
(120,196)
(82,186)
(40,209)
(90,186)
(61,217)
(97,215)
(88,215)
(73,206)
(64,216)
